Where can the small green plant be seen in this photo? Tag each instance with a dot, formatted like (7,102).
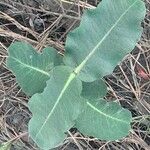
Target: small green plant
(70,93)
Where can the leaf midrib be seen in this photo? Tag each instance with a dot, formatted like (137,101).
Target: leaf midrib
(104,114)
(81,65)
(32,68)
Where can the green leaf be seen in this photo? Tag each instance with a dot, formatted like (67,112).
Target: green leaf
(106,34)
(104,120)
(5,146)
(94,90)
(58,60)
(31,68)
(55,110)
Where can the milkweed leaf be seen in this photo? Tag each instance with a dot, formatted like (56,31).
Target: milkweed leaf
(55,110)
(106,34)
(94,90)
(32,69)
(104,120)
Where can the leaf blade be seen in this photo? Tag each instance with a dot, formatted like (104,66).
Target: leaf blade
(106,121)
(32,70)
(94,90)
(58,112)
(108,42)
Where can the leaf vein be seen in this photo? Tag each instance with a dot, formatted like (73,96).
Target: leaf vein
(33,68)
(104,114)
(81,65)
